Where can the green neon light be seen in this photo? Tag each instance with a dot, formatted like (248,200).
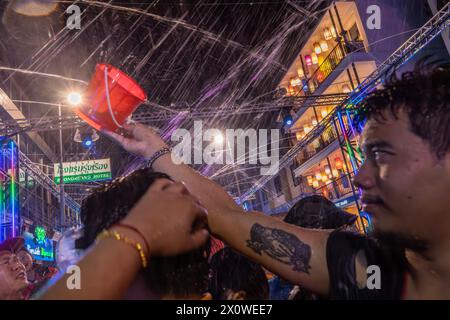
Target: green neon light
(40,234)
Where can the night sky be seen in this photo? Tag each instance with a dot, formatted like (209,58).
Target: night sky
(200,54)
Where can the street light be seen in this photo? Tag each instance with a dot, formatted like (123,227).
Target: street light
(74,99)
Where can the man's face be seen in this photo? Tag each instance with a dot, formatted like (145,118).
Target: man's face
(405,188)
(13,277)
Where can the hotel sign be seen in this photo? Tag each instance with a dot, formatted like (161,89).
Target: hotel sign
(84,171)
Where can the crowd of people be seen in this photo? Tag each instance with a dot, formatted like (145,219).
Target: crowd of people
(149,235)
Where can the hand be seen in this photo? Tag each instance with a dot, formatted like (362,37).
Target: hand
(169,218)
(143,142)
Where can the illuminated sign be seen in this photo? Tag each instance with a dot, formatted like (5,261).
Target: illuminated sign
(345,202)
(9,195)
(84,171)
(39,245)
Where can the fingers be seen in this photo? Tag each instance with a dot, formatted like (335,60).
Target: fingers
(160,185)
(139,131)
(200,213)
(178,187)
(125,142)
(129,126)
(120,139)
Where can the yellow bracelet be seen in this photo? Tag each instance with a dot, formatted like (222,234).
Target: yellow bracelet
(115,235)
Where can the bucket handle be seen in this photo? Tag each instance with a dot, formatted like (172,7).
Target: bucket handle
(111,113)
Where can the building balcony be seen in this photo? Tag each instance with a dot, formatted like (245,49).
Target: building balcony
(318,149)
(337,188)
(331,63)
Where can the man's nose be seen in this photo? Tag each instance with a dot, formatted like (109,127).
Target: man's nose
(364,179)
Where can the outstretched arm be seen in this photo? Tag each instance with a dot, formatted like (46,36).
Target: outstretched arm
(109,268)
(296,254)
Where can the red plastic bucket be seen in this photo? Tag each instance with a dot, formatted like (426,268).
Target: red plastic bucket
(112,97)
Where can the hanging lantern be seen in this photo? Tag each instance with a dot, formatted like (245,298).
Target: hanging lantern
(318,176)
(310,180)
(306,129)
(317,48)
(314,58)
(327,34)
(295,82)
(346,88)
(327,170)
(314,122)
(315,184)
(338,163)
(300,73)
(324,178)
(320,60)
(324,46)
(291,90)
(324,113)
(335,173)
(298,135)
(333,32)
(308,60)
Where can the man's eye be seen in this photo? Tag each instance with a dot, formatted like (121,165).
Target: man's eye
(380,154)
(377,153)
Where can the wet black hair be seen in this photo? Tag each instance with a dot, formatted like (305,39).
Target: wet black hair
(182,275)
(424,94)
(232,271)
(317,212)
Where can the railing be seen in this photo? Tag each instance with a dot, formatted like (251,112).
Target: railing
(324,140)
(337,188)
(333,190)
(331,62)
(43,179)
(36,208)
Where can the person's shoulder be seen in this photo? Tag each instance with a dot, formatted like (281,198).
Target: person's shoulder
(351,240)
(349,256)
(351,244)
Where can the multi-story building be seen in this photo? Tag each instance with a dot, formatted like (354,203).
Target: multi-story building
(342,50)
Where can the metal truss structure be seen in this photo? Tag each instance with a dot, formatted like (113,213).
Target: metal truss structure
(147,116)
(43,179)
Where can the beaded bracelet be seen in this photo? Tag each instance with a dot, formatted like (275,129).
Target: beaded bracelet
(115,235)
(136,230)
(156,155)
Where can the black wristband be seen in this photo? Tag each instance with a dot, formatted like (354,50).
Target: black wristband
(157,155)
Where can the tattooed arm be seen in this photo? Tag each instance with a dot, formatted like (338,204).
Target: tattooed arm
(296,254)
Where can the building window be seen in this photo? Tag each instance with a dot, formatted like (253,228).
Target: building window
(354,33)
